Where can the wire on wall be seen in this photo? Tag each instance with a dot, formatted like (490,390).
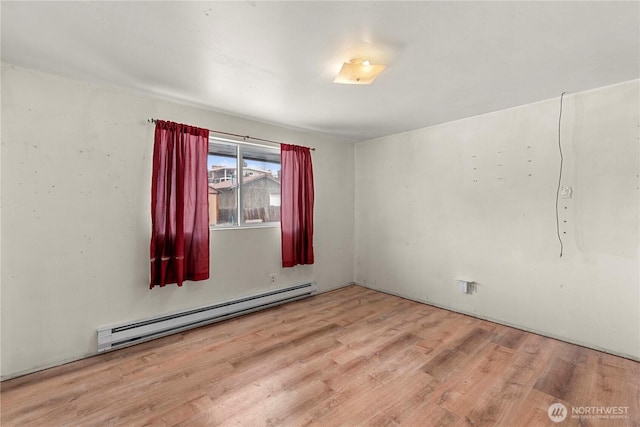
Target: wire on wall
(559,175)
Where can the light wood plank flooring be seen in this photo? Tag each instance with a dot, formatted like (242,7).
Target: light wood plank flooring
(351,357)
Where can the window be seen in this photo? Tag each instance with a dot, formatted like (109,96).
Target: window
(244,184)
(274,199)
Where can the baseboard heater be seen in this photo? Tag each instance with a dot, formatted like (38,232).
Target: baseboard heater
(114,337)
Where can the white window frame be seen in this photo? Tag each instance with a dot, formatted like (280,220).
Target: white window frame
(239,144)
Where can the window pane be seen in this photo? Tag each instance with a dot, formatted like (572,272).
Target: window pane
(255,183)
(223,183)
(260,184)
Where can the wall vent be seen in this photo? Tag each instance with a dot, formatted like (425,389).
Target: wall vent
(114,337)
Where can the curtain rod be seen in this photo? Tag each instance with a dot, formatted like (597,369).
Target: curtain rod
(244,137)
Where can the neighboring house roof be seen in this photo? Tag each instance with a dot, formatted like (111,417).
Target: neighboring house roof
(226,185)
(233,168)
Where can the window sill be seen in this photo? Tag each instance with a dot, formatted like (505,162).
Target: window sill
(245,227)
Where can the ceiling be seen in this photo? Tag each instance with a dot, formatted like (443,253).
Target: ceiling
(275,61)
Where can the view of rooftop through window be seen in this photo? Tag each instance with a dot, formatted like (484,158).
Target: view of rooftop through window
(231,163)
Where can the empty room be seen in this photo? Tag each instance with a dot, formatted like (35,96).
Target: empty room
(310,213)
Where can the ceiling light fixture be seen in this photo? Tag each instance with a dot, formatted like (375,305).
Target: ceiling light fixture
(358,72)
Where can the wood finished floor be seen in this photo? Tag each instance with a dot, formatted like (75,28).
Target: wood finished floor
(351,357)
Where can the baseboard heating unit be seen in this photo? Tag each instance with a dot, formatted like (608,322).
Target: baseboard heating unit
(114,337)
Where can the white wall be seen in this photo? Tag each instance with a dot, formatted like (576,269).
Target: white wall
(475,199)
(76,165)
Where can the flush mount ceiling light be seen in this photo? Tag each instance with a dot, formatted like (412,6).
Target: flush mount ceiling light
(358,72)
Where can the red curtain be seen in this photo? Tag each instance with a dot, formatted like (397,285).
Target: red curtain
(179,205)
(296,210)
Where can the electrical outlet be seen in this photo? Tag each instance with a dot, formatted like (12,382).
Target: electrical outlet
(467,286)
(463,286)
(273,280)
